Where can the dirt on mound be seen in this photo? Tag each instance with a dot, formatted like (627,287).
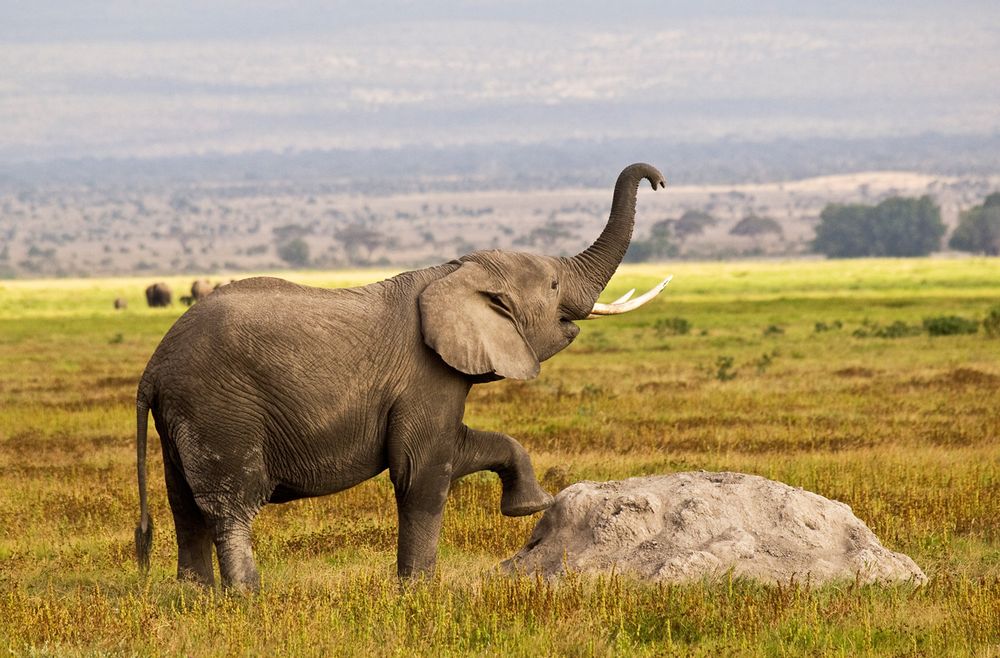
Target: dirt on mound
(689,526)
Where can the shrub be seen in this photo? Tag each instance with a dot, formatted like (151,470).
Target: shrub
(724,368)
(897,329)
(765,361)
(773,330)
(950,325)
(672,327)
(822,326)
(991,323)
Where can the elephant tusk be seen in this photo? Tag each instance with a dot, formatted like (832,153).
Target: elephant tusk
(619,306)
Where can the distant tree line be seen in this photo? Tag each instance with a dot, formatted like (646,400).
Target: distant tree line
(894,227)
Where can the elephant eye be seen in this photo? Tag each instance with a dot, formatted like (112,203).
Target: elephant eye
(555,284)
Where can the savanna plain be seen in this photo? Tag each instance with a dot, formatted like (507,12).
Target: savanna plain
(816,373)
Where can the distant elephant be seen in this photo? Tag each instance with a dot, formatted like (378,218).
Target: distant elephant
(120,303)
(268,391)
(159,294)
(201,289)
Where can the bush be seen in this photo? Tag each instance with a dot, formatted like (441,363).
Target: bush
(822,326)
(773,330)
(897,329)
(672,327)
(724,368)
(765,361)
(950,325)
(991,323)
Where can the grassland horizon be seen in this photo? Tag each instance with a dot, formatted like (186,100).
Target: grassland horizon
(820,374)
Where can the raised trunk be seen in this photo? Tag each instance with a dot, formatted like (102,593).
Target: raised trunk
(595,265)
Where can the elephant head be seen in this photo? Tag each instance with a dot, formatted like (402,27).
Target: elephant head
(502,313)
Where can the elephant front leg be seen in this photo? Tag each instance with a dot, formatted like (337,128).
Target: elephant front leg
(420,500)
(493,451)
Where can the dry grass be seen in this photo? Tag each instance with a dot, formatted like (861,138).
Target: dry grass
(904,430)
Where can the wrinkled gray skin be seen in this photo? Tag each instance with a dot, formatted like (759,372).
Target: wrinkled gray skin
(159,294)
(267,391)
(201,289)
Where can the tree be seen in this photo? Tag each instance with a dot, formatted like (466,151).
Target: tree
(755,225)
(357,235)
(843,231)
(895,227)
(693,222)
(907,227)
(294,252)
(660,245)
(978,229)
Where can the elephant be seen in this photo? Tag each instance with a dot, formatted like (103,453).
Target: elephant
(201,289)
(159,294)
(268,391)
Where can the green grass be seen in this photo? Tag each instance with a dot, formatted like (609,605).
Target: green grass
(905,430)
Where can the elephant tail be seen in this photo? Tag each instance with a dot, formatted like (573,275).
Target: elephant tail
(143,531)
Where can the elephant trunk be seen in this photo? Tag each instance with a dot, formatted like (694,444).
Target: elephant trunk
(594,266)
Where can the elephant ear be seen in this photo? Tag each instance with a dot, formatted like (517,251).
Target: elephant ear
(467,320)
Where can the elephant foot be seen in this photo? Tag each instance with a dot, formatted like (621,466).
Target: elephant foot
(524,500)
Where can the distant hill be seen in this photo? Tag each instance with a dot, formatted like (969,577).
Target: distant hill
(521,166)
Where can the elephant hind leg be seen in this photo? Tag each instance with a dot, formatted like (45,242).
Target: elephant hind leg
(232,543)
(194,537)
(229,517)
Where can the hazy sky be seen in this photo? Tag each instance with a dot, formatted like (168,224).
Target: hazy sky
(82,78)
